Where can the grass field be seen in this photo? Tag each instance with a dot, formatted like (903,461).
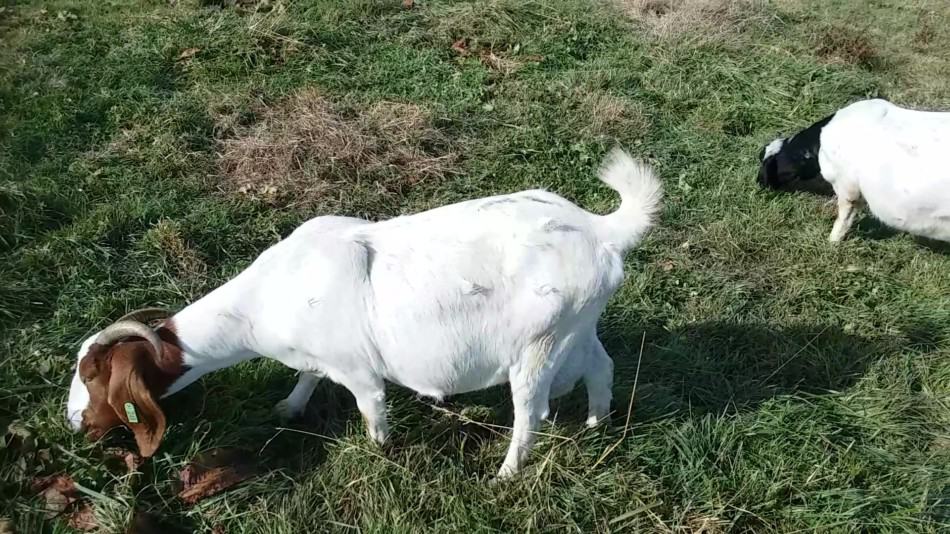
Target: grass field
(150,150)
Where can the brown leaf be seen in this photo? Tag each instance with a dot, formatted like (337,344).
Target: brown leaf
(213,472)
(6,526)
(461,47)
(667,265)
(118,458)
(188,53)
(407,4)
(58,491)
(218,529)
(82,518)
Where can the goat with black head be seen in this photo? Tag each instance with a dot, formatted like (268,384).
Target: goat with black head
(872,151)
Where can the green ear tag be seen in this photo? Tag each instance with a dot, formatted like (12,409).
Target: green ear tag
(130,413)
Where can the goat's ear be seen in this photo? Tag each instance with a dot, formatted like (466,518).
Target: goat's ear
(132,400)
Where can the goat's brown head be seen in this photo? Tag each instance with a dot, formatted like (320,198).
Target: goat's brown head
(120,376)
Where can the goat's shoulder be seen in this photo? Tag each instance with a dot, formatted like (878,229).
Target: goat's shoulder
(870,109)
(327,224)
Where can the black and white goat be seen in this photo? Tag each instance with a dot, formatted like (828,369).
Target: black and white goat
(892,158)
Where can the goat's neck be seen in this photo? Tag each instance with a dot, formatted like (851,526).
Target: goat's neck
(209,334)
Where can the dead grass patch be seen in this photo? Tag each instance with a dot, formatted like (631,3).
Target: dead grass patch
(609,115)
(306,147)
(847,45)
(503,61)
(706,524)
(695,20)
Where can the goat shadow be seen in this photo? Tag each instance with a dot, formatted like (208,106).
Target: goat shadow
(715,366)
(690,371)
(871,228)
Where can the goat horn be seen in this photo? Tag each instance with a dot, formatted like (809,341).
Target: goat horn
(122,329)
(145,315)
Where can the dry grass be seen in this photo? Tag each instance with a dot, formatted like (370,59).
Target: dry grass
(907,45)
(608,115)
(305,148)
(847,45)
(702,20)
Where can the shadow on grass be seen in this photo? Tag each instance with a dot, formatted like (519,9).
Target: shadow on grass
(869,227)
(712,367)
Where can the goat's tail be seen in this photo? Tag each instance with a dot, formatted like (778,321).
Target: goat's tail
(640,196)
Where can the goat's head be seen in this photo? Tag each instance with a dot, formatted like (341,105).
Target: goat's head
(120,374)
(785,161)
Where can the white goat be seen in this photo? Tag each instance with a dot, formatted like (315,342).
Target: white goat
(456,299)
(891,157)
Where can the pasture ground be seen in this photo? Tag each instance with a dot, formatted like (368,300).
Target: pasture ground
(149,150)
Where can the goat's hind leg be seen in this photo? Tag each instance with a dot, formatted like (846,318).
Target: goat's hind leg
(530,393)
(599,380)
(369,391)
(592,363)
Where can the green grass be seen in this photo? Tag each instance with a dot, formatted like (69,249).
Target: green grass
(785,384)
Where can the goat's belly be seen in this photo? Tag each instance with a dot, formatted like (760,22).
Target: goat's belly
(923,218)
(438,376)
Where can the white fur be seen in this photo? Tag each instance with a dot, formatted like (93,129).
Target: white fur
(456,299)
(896,160)
(773,148)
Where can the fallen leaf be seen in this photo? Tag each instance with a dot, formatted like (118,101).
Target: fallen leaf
(83,518)
(6,526)
(213,472)
(461,47)
(407,4)
(188,53)
(58,491)
(118,458)
(492,61)
(533,57)
(218,529)
(19,438)
(667,265)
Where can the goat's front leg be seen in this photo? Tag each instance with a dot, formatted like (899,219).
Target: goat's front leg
(294,405)
(848,203)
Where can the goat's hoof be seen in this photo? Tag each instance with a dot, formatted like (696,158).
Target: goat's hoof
(287,412)
(499,480)
(377,434)
(594,421)
(504,475)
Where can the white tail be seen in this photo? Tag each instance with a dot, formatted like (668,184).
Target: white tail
(640,196)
